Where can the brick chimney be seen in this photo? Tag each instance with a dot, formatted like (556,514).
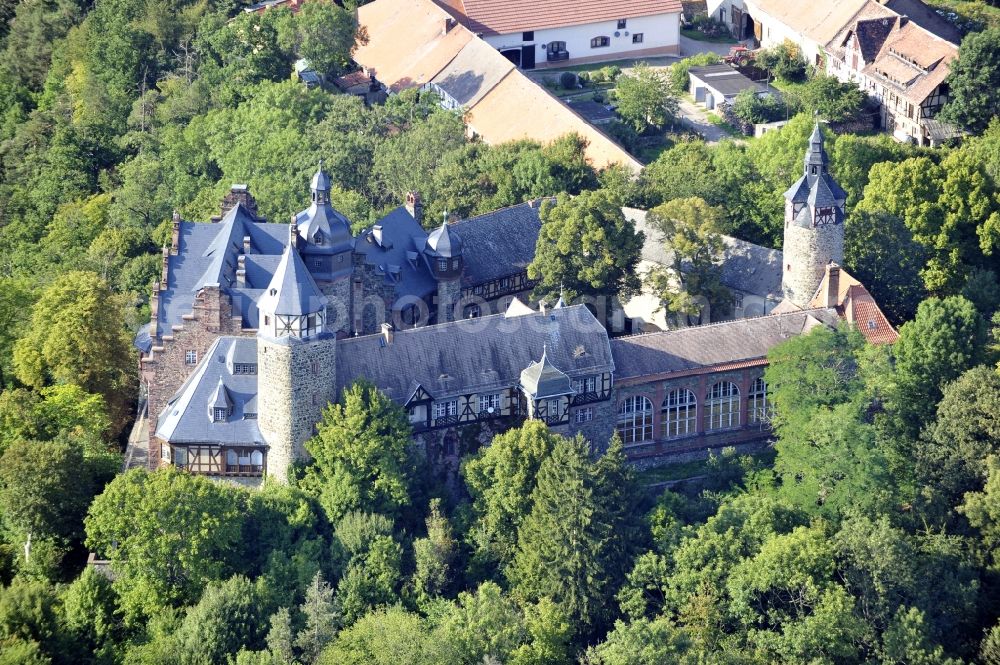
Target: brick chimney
(175,232)
(415,206)
(832,297)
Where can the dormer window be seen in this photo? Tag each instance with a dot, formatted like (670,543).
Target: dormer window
(442,264)
(219,415)
(244,368)
(318,238)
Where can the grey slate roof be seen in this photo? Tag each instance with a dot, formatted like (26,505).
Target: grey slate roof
(499,243)
(186,417)
(321,217)
(442,242)
(710,345)
(292,291)
(395,243)
(207,254)
(542,379)
(485,353)
(746,267)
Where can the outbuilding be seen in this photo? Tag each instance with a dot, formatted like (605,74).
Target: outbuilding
(713,84)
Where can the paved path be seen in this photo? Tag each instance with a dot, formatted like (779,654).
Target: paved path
(695,117)
(137,451)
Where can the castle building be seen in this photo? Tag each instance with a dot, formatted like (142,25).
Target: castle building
(257,327)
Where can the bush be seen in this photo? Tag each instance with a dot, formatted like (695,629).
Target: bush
(599,97)
(567,80)
(679,71)
(597,77)
(833,100)
(784,61)
(584,78)
(708,26)
(611,72)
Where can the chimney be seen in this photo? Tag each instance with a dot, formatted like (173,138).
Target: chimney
(246,244)
(415,206)
(449,23)
(832,298)
(241,270)
(293,232)
(387,333)
(175,232)
(166,270)
(542,306)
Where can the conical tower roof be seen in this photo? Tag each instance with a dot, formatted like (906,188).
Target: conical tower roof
(292,291)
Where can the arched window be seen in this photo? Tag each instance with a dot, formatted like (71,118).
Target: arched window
(232,459)
(635,420)
(759,407)
(722,407)
(257,459)
(680,412)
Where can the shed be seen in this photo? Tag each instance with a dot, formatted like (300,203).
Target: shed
(713,84)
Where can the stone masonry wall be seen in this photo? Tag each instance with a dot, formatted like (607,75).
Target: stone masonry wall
(806,253)
(295,383)
(164,369)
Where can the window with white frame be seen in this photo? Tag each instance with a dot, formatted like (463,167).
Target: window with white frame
(722,406)
(759,407)
(680,413)
(446,408)
(584,415)
(600,42)
(489,403)
(244,368)
(552,409)
(190,357)
(637,38)
(587,384)
(220,415)
(635,420)
(442,264)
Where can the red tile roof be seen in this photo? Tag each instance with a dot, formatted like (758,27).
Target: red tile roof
(500,17)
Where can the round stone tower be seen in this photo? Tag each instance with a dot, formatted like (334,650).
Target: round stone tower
(296,362)
(444,254)
(814,225)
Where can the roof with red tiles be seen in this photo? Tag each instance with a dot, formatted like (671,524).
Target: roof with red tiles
(500,17)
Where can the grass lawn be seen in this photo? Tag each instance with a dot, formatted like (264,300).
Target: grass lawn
(725,126)
(701,37)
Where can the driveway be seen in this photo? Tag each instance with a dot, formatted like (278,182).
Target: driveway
(691,47)
(695,118)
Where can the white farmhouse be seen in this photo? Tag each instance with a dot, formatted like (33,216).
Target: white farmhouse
(540,33)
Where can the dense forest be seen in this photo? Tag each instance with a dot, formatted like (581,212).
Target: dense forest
(870,535)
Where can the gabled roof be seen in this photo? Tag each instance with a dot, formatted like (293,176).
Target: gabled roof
(912,61)
(498,17)
(746,267)
(499,243)
(542,379)
(472,73)
(482,354)
(818,20)
(292,291)
(704,347)
(855,304)
(184,418)
(412,42)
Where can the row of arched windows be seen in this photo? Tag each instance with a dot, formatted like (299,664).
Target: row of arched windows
(679,412)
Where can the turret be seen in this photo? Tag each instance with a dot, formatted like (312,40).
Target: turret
(296,359)
(444,257)
(323,235)
(814,225)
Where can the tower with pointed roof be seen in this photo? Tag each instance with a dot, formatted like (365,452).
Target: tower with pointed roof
(814,225)
(443,253)
(296,360)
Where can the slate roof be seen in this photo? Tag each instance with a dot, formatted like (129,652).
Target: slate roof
(542,379)
(703,347)
(207,254)
(726,80)
(498,17)
(393,247)
(499,243)
(746,267)
(292,291)
(186,417)
(443,243)
(485,353)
